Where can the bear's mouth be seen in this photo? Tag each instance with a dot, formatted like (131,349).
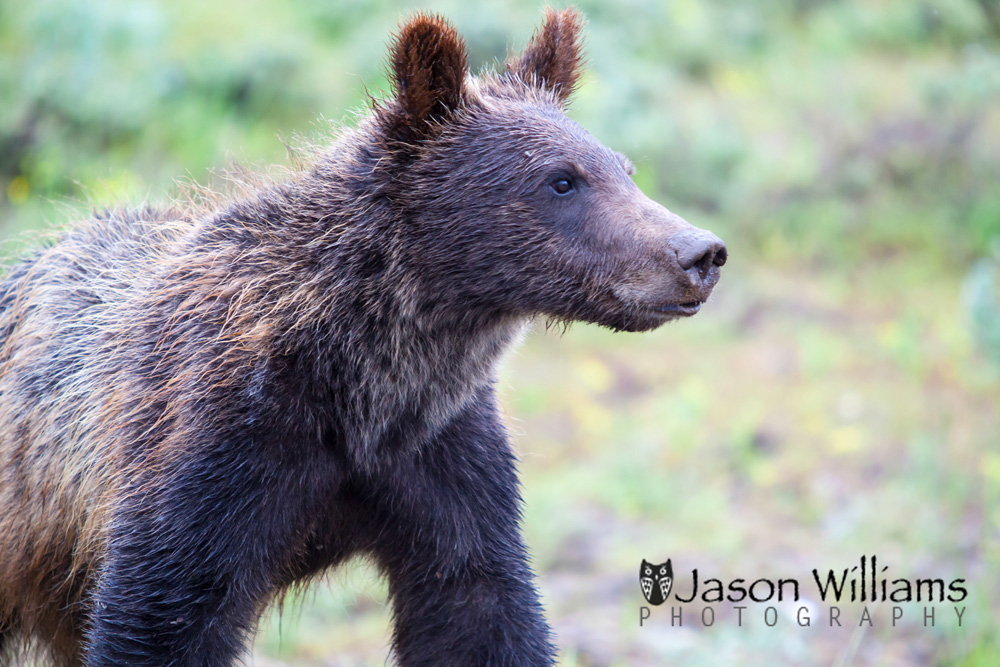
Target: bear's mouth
(683,309)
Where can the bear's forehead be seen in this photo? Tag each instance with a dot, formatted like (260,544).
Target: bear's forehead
(532,118)
(541,130)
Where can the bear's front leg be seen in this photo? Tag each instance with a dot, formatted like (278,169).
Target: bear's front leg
(195,548)
(449,539)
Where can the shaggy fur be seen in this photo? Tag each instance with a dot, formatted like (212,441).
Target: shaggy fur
(200,409)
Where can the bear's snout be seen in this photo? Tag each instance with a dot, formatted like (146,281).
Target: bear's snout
(698,252)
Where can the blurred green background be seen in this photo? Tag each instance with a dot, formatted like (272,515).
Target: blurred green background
(839,396)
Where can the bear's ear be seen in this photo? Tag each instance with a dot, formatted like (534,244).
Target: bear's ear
(553,56)
(428,62)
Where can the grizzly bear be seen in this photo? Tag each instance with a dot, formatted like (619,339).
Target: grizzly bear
(200,408)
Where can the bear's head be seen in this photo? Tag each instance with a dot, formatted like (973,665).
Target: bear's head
(511,207)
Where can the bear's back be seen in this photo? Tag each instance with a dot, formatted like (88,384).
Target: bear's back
(54,309)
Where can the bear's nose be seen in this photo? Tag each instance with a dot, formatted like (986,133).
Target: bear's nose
(697,248)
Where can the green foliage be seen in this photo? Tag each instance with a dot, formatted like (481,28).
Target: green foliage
(982,301)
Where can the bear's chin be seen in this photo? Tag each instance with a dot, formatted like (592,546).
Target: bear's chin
(637,321)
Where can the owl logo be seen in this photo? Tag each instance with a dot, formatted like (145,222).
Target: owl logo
(656,581)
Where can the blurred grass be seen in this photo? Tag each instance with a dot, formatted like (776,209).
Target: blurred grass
(840,394)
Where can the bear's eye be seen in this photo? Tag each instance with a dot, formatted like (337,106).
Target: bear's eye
(562,186)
